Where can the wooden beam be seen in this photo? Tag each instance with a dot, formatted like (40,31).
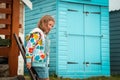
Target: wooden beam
(5,31)
(5,10)
(4,51)
(13,55)
(8,16)
(5,21)
(6,1)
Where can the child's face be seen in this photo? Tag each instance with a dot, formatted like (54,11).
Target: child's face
(49,26)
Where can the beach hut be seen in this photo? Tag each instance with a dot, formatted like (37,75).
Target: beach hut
(80,38)
(115,42)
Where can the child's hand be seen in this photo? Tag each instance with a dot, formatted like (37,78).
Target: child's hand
(28,65)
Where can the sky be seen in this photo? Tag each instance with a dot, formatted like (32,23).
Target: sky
(114,5)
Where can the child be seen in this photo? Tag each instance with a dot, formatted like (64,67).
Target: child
(36,54)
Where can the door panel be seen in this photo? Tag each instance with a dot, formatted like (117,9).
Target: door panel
(92,54)
(84,38)
(92,38)
(92,20)
(75,38)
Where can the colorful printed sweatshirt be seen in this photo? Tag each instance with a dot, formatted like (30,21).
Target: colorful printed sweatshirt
(36,48)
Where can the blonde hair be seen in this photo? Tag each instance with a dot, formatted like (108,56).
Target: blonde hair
(44,21)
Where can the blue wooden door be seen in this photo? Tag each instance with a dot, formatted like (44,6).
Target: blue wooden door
(92,39)
(75,30)
(83,35)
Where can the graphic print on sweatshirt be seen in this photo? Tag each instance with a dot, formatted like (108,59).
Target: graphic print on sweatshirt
(35,47)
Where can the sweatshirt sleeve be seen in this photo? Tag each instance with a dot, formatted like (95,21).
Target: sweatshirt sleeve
(34,37)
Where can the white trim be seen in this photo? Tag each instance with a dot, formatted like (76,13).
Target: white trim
(28,3)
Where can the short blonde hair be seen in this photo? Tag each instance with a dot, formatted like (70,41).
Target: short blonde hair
(44,20)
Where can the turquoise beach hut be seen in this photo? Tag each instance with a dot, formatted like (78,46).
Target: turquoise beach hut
(80,38)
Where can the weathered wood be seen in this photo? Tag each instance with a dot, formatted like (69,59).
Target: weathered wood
(6,1)
(5,31)
(11,23)
(4,51)
(13,55)
(8,16)
(5,21)
(5,10)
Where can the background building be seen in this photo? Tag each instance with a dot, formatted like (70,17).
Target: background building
(115,41)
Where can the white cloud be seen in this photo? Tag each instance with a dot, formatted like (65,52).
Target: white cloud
(114,5)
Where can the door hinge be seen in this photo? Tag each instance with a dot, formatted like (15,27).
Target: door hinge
(95,12)
(97,63)
(72,10)
(86,12)
(72,62)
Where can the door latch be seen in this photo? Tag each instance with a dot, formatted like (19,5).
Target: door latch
(86,63)
(86,12)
